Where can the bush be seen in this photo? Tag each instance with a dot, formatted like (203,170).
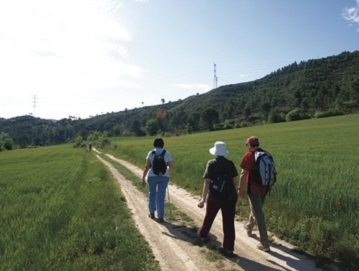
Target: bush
(8,144)
(295,114)
(275,116)
(328,113)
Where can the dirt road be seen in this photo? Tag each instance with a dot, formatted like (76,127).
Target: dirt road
(177,247)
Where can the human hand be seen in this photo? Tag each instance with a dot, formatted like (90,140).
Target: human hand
(240,194)
(200,204)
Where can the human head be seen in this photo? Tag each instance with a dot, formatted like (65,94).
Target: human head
(219,149)
(158,143)
(252,142)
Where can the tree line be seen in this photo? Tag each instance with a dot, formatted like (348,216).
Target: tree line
(309,89)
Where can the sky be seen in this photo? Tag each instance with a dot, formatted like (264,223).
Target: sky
(82,58)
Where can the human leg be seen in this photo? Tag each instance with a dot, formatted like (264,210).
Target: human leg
(212,209)
(152,194)
(161,195)
(229,234)
(251,221)
(257,201)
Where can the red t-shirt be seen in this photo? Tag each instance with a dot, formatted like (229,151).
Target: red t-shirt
(248,163)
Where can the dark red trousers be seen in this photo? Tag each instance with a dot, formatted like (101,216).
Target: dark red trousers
(228,212)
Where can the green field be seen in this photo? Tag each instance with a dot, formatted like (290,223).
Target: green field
(315,201)
(61,209)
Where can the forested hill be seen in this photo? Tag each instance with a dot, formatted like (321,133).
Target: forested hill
(314,88)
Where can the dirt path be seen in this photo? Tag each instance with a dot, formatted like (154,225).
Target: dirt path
(175,246)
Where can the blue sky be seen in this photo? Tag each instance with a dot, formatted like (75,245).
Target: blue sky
(82,58)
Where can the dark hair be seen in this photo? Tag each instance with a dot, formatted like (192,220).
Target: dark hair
(158,143)
(254,143)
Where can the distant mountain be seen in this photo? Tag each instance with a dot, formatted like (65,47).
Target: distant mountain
(313,88)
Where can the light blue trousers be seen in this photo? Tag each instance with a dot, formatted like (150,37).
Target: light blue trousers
(157,186)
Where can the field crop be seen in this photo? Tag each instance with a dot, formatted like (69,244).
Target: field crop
(314,203)
(61,210)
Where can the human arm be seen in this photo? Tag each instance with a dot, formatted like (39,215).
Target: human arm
(205,191)
(145,171)
(170,165)
(242,183)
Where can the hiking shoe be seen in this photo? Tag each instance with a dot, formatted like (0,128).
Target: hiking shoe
(228,253)
(248,230)
(200,237)
(151,215)
(161,220)
(263,248)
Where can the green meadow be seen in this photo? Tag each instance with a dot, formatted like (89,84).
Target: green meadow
(62,210)
(314,203)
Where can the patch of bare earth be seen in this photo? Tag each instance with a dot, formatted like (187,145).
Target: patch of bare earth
(176,247)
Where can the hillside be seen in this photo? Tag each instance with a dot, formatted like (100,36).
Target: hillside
(313,88)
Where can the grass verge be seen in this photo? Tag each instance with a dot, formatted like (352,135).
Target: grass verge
(61,210)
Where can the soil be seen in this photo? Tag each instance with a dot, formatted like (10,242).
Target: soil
(176,246)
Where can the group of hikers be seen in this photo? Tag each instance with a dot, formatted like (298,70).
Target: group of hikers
(220,191)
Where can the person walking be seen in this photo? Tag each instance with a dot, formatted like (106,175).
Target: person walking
(215,169)
(256,193)
(157,181)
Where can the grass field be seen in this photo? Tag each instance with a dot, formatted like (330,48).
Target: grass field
(315,201)
(61,210)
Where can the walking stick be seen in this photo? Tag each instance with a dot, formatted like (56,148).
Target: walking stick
(169,201)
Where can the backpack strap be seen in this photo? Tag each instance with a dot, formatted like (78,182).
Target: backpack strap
(162,153)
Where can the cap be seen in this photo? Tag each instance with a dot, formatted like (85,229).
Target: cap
(253,141)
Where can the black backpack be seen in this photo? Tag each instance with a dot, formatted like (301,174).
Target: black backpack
(222,188)
(159,166)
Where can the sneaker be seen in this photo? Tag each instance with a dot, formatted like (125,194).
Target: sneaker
(161,220)
(151,215)
(248,230)
(263,248)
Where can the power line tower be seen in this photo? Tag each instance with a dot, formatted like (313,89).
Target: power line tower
(34,104)
(215,78)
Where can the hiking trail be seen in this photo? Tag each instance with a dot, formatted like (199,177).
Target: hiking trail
(176,247)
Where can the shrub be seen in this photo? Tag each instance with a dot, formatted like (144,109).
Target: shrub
(328,113)
(295,114)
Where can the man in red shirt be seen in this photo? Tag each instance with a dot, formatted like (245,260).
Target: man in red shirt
(256,193)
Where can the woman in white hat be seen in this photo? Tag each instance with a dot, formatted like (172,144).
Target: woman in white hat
(219,193)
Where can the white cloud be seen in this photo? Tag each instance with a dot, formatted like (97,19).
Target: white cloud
(352,14)
(59,48)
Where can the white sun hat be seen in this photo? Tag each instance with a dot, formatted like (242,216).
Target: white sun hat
(219,149)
